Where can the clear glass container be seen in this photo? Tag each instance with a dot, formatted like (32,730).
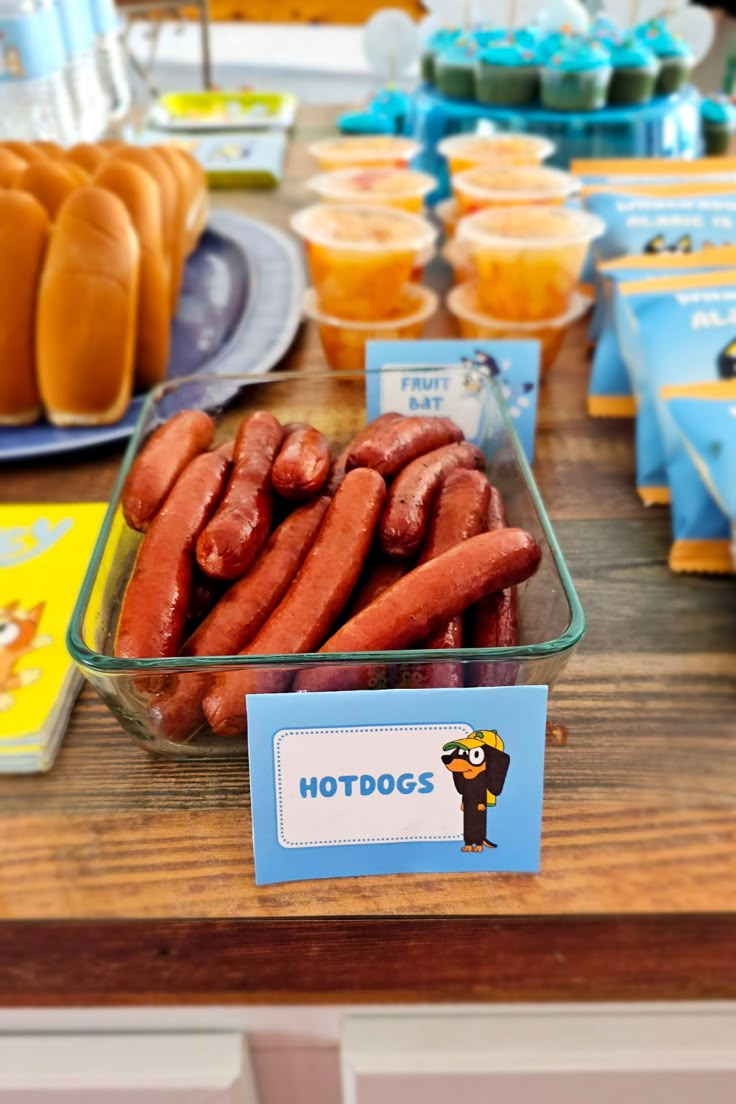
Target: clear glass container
(550,614)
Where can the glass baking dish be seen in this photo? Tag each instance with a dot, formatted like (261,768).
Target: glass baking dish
(550,614)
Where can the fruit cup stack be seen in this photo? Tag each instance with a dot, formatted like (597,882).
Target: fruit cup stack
(366,246)
(517,251)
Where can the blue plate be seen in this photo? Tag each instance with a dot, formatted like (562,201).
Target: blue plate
(239,312)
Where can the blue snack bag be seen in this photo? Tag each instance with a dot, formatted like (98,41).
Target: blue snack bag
(678,218)
(648,217)
(684,331)
(705,416)
(610,391)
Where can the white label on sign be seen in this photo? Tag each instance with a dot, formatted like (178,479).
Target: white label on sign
(330,777)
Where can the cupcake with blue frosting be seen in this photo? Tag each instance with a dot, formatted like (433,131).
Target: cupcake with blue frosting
(577,76)
(484,37)
(436,42)
(604,30)
(674,56)
(550,43)
(635,71)
(507,73)
(718,117)
(454,69)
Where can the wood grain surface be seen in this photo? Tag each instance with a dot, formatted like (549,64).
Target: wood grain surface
(304,11)
(639,833)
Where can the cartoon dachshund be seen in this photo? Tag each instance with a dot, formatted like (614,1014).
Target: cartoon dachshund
(479,766)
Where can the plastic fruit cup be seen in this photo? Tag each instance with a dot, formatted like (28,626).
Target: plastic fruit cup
(464,151)
(343,340)
(463,302)
(401,188)
(360,258)
(447,213)
(528,259)
(369,151)
(511,185)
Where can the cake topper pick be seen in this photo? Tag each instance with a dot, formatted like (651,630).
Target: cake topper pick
(390,43)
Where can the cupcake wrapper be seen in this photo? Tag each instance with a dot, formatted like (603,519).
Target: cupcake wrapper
(506,85)
(455,81)
(631,86)
(673,75)
(575,91)
(717,137)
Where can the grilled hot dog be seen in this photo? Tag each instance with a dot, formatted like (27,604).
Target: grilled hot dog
(404,520)
(425,599)
(313,602)
(155,605)
(240,528)
(161,462)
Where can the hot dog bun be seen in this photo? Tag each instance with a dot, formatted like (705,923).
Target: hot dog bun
(198,201)
(27,150)
(51,182)
(85,335)
(78,173)
(24,229)
(12,168)
(157,168)
(181,176)
(89,155)
(51,149)
(140,194)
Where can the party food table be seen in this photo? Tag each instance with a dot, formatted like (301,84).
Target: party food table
(125,879)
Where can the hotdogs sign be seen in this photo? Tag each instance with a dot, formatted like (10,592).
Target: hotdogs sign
(360,788)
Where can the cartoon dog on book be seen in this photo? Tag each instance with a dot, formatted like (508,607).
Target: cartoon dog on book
(18,637)
(479,766)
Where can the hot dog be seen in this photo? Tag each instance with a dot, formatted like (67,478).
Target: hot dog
(425,599)
(312,603)
(494,622)
(378,575)
(155,605)
(302,465)
(459,512)
(161,462)
(232,540)
(404,520)
(337,471)
(392,445)
(243,609)
(237,617)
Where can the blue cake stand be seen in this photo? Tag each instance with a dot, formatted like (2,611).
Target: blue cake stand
(666,127)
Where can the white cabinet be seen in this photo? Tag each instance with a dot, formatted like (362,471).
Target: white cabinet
(113,1068)
(572,1054)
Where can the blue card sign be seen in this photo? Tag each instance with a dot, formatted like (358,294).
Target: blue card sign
(513,364)
(396,781)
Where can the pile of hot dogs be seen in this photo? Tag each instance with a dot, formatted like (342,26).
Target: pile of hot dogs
(268,545)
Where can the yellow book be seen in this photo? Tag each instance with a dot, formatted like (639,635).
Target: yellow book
(44,551)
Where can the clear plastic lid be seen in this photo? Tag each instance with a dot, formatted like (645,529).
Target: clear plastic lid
(365,147)
(360,185)
(489,149)
(363,228)
(529,227)
(509,184)
(415,304)
(464,303)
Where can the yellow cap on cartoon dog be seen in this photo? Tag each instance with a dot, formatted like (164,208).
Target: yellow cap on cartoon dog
(481,736)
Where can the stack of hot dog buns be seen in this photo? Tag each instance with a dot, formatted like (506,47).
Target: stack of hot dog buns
(93,242)
(270,545)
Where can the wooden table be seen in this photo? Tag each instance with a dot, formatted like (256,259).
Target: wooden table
(129,879)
